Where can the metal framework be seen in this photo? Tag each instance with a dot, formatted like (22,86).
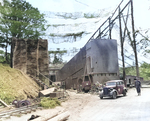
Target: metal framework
(105,30)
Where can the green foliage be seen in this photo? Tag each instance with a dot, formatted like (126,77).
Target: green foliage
(3,57)
(79,34)
(19,19)
(76,15)
(7,97)
(70,36)
(15,85)
(47,102)
(68,15)
(129,70)
(145,65)
(147,51)
(57,55)
(144,71)
(56,25)
(2,52)
(89,15)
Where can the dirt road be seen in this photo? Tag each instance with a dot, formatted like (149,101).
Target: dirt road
(128,108)
(87,107)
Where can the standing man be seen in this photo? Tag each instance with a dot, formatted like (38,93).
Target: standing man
(138,86)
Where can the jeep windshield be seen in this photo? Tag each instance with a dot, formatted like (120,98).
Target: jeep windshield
(111,84)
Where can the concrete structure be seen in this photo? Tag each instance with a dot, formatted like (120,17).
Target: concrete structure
(97,60)
(53,69)
(130,82)
(31,57)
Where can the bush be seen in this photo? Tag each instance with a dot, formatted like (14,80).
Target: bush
(47,102)
(7,97)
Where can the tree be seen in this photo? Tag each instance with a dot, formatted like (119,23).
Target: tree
(2,59)
(58,55)
(21,20)
(144,42)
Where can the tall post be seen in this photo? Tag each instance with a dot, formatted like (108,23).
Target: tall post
(110,27)
(121,41)
(134,41)
(11,53)
(100,33)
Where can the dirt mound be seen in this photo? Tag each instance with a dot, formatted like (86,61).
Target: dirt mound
(14,84)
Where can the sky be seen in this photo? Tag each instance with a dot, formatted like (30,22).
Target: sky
(104,7)
(141,7)
(141,18)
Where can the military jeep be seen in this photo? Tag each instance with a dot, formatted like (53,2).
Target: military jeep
(113,89)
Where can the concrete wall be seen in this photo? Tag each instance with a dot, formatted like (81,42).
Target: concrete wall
(73,70)
(130,80)
(104,55)
(98,58)
(103,77)
(20,55)
(104,59)
(31,56)
(43,62)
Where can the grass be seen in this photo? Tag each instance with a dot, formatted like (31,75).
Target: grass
(47,102)
(16,85)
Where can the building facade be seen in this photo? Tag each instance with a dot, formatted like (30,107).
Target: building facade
(97,60)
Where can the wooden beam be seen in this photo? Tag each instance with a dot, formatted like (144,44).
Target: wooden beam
(4,103)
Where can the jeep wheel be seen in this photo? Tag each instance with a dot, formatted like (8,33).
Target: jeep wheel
(114,96)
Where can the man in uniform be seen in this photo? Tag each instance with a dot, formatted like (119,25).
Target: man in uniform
(138,86)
